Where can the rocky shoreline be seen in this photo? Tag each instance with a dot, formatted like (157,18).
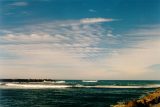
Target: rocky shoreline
(150,100)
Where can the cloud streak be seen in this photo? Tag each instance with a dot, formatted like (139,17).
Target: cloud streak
(20,4)
(95,20)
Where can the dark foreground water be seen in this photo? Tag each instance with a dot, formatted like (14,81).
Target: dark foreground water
(76,96)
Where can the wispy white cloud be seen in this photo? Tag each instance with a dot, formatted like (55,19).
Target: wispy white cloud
(30,38)
(135,62)
(92,10)
(61,49)
(20,3)
(95,20)
(149,31)
(78,49)
(74,38)
(45,61)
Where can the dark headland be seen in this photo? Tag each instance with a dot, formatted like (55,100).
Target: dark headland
(150,100)
(25,80)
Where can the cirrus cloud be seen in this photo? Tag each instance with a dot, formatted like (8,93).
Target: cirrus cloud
(19,4)
(95,20)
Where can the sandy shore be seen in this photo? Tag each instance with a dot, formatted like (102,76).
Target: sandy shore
(150,100)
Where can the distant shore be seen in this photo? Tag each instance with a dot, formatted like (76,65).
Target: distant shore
(25,80)
(150,100)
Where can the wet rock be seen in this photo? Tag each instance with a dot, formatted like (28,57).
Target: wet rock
(131,104)
(150,100)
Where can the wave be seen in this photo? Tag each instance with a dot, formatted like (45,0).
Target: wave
(113,86)
(19,85)
(35,85)
(89,81)
(59,82)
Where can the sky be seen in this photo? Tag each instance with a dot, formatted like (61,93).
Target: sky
(80,39)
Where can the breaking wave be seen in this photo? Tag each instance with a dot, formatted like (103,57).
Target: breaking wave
(37,86)
(90,81)
(113,86)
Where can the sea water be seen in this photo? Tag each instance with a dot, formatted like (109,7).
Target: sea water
(73,93)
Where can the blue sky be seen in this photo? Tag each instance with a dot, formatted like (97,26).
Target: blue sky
(80,39)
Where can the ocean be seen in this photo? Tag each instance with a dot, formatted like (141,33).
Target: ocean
(73,93)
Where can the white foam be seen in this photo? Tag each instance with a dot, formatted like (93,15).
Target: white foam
(36,85)
(89,81)
(94,20)
(112,86)
(18,85)
(59,82)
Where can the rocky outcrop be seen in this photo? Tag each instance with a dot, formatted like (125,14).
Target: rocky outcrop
(151,100)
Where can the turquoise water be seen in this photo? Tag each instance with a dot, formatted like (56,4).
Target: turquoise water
(75,96)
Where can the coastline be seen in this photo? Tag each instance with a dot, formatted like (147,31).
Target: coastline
(150,100)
